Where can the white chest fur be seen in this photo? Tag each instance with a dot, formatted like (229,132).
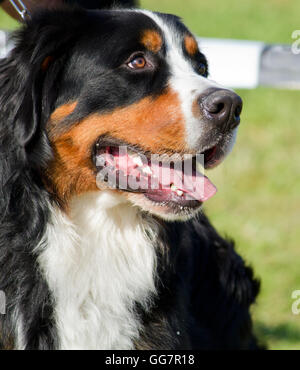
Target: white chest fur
(98,262)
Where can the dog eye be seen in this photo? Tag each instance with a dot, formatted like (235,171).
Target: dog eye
(202,69)
(137,63)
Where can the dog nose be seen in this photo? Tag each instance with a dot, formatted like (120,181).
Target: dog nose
(223,107)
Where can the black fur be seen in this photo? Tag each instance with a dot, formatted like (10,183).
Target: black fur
(205,290)
(103,4)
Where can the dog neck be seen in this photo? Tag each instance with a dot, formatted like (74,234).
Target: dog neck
(99,261)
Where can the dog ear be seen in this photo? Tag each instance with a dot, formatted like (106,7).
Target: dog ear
(28,79)
(28,91)
(20,94)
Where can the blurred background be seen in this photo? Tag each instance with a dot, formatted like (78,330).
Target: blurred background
(258,202)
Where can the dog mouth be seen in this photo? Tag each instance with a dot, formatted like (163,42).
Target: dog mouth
(175,180)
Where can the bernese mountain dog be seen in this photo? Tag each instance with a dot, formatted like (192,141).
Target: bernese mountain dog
(86,262)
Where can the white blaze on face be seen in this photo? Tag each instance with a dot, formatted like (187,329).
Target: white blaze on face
(184,80)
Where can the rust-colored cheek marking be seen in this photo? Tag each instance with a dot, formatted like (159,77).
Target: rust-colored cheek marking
(152,40)
(191,45)
(156,125)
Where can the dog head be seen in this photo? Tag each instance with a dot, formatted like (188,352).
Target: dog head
(117,101)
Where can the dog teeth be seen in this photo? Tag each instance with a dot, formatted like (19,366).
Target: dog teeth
(100,161)
(147,170)
(199,167)
(137,160)
(176,190)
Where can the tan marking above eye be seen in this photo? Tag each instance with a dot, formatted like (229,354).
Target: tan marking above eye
(152,40)
(191,45)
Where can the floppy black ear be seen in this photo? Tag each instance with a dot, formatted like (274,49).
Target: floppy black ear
(27,83)
(21,85)
(28,91)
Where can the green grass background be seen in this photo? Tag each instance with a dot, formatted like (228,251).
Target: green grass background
(258,201)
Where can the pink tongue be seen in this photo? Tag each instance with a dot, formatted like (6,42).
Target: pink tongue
(194,185)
